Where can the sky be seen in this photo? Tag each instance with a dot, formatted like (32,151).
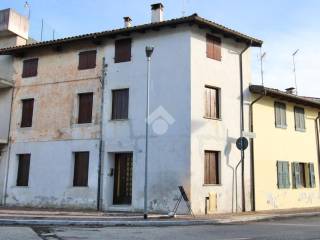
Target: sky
(283,25)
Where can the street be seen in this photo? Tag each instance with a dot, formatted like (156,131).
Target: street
(291,229)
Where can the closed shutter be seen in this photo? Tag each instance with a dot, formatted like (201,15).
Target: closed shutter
(312,175)
(120,102)
(123,50)
(213,47)
(297,175)
(30,68)
(23,170)
(87,60)
(212,105)
(279,170)
(286,176)
(299,117)
(212,168)
(27,113)
(81,168)
(85,108)
(280,114)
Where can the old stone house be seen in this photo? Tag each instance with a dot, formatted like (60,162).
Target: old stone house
(77,136)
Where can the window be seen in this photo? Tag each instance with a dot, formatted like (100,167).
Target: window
(27,113)
(303,175)
(211,168)
(87,60)
(280,115)
(213,47)
(81,168)
(30,68)
(212,103)
(85,108)
(299,119)
(123,50)
(120,102)
(23,170)
(283,174)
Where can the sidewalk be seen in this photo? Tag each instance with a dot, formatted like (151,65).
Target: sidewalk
(23,216)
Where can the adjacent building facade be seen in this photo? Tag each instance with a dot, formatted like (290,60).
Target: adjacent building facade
(286,149)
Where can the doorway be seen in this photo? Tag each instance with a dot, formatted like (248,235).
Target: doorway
(122,191)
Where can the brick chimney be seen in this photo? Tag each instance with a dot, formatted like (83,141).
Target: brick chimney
(157,12)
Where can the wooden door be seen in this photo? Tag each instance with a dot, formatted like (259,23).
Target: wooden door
(122,193)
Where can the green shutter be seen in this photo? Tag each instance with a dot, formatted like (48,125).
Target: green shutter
(286,178)
(312,176)
(297,174)
(280,178)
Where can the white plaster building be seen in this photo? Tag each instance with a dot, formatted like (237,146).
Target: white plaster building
(192,137)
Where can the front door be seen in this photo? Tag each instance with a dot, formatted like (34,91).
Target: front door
(122,179)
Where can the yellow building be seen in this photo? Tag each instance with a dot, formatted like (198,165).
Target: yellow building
(285,152)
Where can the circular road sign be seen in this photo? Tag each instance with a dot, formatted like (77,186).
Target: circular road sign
(242,143)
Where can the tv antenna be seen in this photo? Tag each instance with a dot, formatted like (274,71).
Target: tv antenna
(294,70)
(262,56)
(28,7)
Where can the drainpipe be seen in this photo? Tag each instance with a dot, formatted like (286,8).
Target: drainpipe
(242,129)
(9,152)
(101,146)
(253,190)
(318,142)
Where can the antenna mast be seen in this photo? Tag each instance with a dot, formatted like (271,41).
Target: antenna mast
(27,5)
(294,70)
(262,56)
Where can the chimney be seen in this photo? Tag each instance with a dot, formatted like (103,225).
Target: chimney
(291,90)
(127,22)
(157,12)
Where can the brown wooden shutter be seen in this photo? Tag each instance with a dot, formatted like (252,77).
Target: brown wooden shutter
(27,113)
(123,50)
(120,102)
(85,108)
(214,47)
(212,167)
(212,105)
(23,170)
(30,68)
(81,169)
(87,59)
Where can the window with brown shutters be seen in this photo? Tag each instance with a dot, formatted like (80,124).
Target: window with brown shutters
(30,68)
(87,60)
(214,47)
(123,50)
(81,169)
(120,102)
(212,102)
(85,108)
(27,113)
(211,168)
(23,170)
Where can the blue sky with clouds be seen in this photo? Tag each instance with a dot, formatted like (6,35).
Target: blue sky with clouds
(283,25)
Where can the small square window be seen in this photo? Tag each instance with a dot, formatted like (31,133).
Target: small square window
(87,60)
(30,68)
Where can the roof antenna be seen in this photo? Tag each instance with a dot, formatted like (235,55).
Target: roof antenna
(262,56)
(184,6)
(27,6)
(294,70)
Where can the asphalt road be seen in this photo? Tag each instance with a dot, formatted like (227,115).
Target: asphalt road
(292,229)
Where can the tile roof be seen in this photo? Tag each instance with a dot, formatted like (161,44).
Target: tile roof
(276,93)
(192,19)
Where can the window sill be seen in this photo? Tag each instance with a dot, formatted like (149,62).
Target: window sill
(209,118)
(83,124)
(281,127)
(80,187)
(25,128)
(21,187)
(80,69)
(300,130)
(119,120)
(212,185)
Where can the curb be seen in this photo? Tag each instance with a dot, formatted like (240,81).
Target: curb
(148,223)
